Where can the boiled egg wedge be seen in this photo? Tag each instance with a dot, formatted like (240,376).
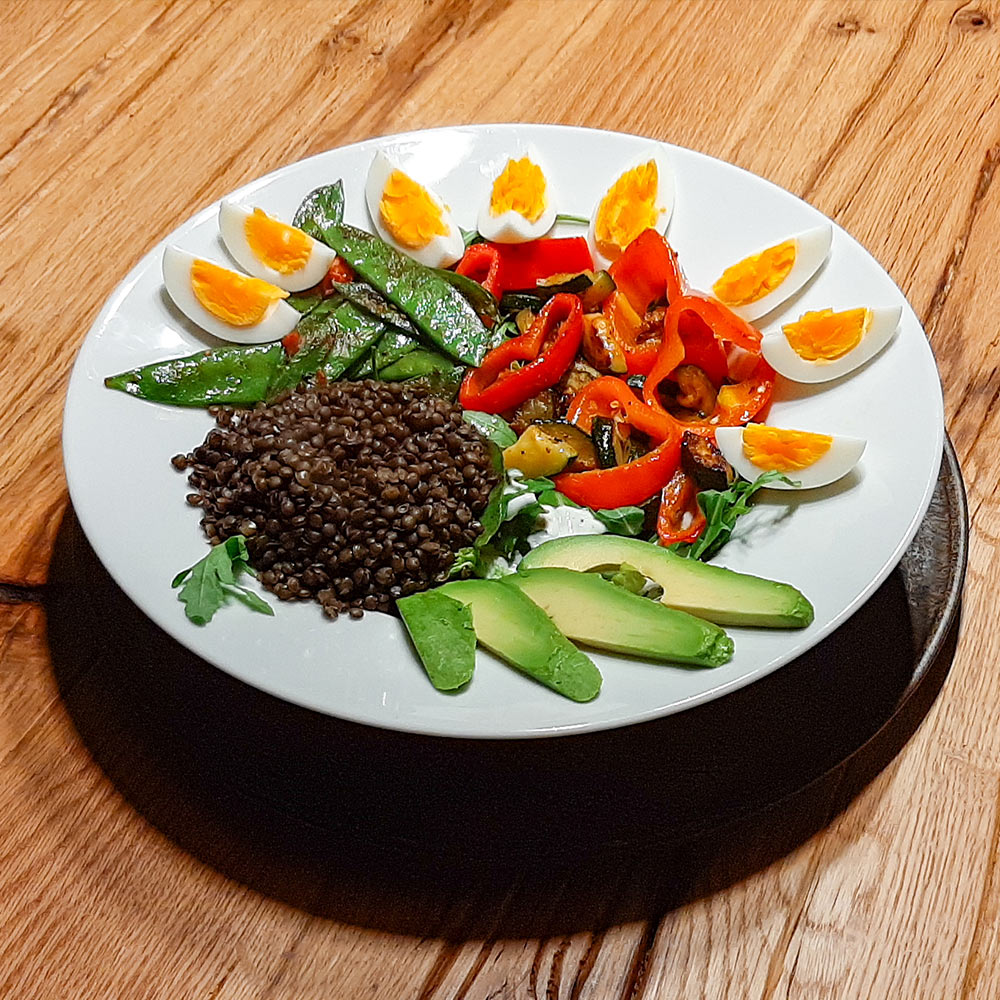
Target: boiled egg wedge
(270,250)
(520,206)
(823,345)
(642,197)
(410,216)
(760,283)
(806,458)
(227,304)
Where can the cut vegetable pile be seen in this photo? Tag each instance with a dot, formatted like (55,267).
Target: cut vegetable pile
(627,410)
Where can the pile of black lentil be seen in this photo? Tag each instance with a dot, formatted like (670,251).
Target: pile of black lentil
(354,494)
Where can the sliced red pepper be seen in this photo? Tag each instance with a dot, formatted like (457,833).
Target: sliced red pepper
(702,347)
(502,382)
(523,265)
(647,272)
(291,342)
(635,481)
(481,262)
(725,326)
(339,273)
(680,518)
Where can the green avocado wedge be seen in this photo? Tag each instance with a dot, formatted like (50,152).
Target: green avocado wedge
(441,630)
(714,593)
(509,624)
(588,609)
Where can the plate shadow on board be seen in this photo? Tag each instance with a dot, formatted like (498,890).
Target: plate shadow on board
(463,838)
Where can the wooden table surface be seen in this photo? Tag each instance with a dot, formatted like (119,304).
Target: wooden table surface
(120,118)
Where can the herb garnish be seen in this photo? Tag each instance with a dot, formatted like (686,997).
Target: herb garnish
(212,579)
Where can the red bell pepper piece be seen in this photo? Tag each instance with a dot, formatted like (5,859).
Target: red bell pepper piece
(522,265)
(339,273)
(481,262)
(680,517)
(702,348)
(635,481)
(646,273)
(725,326)
(503,382)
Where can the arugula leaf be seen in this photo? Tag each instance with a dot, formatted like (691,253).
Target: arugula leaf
(723,508)
(212,579)
(576,219)
(622,520)
(470,236)
(492,426)
(321,210)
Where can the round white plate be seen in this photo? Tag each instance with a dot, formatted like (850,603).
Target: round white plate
(836,544)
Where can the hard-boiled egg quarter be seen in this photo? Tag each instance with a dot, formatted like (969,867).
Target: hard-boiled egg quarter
(760,283)
(823,345)
(410,216)
(227,304)
(270,250)
(806,458)
(641,198)
(520,206)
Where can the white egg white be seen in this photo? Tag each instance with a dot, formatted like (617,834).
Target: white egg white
(232,228)
(812,247)
(664,198)
(781,356)
(279,320)
(841,457)
(440,251)
(511,226)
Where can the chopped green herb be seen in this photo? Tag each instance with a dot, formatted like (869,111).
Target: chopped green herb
(581,220)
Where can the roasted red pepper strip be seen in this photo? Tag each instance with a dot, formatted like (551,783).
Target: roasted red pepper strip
(702,348)
(549,347)
(646,273)
(481,262)
(523,265)
(635,481)
(725,326)
(339,273)
(680,518)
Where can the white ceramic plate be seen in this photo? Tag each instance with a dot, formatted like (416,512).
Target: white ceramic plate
(836,544)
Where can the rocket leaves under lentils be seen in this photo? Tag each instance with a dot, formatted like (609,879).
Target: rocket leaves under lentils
(439,310)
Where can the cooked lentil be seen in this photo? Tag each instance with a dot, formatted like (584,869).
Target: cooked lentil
(353,494)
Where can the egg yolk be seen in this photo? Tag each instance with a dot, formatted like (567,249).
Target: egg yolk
(284,249)
(627,209)
(234,298)
(755,276)
(520,188)
(408,211)
(827,335)
(783,451)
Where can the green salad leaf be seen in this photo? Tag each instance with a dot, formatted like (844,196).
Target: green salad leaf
(492,426)
(210,581)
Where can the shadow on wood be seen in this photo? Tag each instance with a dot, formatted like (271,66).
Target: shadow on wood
(461,838)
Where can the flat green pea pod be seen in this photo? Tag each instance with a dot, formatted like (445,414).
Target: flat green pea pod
(416,364)
(321,210)
(352,331)
(234,376)
(438,310)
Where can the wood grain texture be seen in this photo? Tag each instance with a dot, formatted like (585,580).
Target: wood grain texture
(117,120)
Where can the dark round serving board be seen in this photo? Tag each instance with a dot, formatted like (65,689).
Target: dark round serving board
(389,829)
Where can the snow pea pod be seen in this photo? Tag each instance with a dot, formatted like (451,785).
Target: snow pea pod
(352,331)
(230,375)
(439,311)
(320,211)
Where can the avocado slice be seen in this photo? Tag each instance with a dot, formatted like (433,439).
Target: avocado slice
(594,611)
(520,632)
(706,591)
(441,630)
